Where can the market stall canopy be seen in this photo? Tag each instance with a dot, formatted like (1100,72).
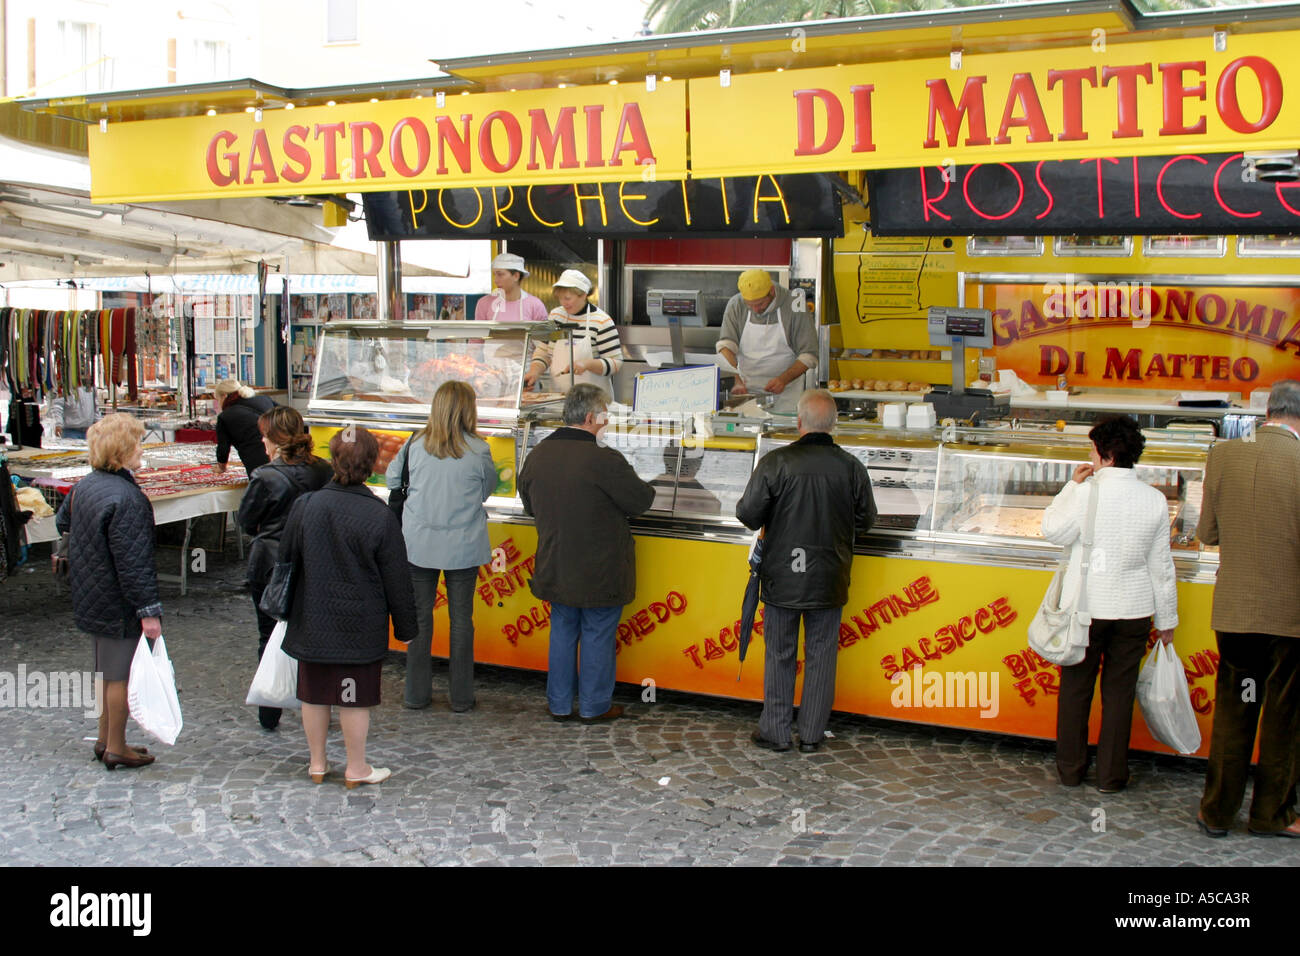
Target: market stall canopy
(1035,81)
(53,233)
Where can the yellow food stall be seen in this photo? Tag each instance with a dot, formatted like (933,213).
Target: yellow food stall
(943,588)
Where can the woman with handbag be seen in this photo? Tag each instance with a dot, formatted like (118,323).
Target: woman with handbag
(291,472)
(449,474)
(111,571)
(1130,579)
(349,577)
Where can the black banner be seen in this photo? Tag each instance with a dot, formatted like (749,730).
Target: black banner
(795,205)
(1190,194)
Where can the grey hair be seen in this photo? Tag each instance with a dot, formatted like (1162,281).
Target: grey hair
(817,411)
(584,400)
(1284,399)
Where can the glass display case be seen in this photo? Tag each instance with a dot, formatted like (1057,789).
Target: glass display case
(394,370)
(696,480)
(978,495)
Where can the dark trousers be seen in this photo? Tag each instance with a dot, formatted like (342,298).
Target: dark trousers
(460,611)
(821,650)
(1121,644)
(1272,666)
(269,716)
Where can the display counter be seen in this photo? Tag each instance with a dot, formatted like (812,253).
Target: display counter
(946,581)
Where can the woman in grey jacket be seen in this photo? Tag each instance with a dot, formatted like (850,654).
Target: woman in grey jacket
(451,474)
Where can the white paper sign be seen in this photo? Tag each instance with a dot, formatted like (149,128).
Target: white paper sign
(678,391)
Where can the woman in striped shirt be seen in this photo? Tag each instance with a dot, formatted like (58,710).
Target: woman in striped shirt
(597,352)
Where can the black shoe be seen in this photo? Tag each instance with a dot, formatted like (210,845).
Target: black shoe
(1293,831)
(614,713)
(1119,789)
(809,748)
(761,741)
(269,717)
(1210,831)
(558,717)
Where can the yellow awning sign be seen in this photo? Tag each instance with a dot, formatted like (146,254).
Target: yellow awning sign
(1124,99)
(586,134)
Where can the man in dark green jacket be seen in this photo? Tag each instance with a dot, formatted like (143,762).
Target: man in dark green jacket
(809,498)
(581,495)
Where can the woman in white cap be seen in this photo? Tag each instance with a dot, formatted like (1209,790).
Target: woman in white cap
(597,351)
(508,301)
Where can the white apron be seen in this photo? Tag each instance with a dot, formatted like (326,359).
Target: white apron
(582,352)
(765,354)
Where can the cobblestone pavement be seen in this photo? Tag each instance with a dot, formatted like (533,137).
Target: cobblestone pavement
(677,782)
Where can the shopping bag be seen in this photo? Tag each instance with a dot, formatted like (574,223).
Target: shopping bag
(276,682)
(1166,702)
(151,692)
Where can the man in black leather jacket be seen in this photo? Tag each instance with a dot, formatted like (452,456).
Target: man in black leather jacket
(810,498)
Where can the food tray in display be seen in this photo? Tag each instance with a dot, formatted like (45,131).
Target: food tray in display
(1005,522)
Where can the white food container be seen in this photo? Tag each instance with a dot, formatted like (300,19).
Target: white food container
(892,414)
(921,415)
(1057,396)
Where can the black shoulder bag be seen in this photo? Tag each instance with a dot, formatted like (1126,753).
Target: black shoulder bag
(397,496)
(277,598)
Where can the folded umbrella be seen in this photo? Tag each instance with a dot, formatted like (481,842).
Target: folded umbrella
(749,605)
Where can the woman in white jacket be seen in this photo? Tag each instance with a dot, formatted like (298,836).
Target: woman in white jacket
(1130,582)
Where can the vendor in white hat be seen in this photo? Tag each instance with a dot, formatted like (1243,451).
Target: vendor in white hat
(770,344)
(508,302)
(597,351)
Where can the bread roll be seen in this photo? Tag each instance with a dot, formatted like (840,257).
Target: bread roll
(898,385)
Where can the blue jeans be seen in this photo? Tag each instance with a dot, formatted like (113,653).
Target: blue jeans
(74,433)
(595,629)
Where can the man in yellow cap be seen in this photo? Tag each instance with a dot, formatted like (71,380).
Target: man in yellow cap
(766,340)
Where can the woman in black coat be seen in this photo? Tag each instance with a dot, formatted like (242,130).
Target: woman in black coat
(240,407)
(292,471)
(111,571)
(350,576)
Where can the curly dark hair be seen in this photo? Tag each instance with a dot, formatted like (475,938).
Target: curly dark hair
(352,453)
(1118,438)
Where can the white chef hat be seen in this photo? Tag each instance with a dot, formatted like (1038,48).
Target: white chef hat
(508,260)
(573,279)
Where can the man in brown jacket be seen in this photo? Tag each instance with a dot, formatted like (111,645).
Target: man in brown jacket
(581,495)
(1251,510)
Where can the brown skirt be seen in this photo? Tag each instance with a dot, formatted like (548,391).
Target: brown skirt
(339,685)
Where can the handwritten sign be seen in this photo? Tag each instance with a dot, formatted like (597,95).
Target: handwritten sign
(678,391)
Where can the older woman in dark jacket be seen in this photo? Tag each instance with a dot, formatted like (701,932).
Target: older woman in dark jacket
(350,576)
(292,471)
(112,574)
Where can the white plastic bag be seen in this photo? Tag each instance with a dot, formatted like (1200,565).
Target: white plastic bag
(151,692)
(1166,702)
(276,682)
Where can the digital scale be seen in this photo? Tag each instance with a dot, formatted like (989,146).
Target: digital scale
(955,328)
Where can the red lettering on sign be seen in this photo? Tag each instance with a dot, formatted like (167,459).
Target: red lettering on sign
(223,176)
(862,140)
(965,191)
(259,159)
(1173,92)
(929,205)
(1072,99)
(365,157)
(549,138)
(330,134)
(295,150)
(1126,109)
(1270,88)
(1160,186)
(397,152)
(806,122)
(1024,94)
(970,110)
(1219,195)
